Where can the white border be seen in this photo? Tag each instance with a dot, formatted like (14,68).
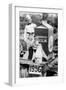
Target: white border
(29,81)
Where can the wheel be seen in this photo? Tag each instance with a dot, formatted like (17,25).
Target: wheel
(23,71)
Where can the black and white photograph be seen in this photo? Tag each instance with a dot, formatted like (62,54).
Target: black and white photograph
(35,40)
(33,44)
(38,44)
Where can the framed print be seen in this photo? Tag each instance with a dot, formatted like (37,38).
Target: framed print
(34,45)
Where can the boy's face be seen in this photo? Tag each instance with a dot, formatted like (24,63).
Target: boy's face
(36,43)
(30,35)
